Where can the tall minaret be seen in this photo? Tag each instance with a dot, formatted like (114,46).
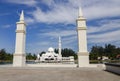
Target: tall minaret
(83,55)
(60,46)
(19,59)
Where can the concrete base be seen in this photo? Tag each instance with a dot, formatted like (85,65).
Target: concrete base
(51,65)
(19,60)
(99,66)
(83,59)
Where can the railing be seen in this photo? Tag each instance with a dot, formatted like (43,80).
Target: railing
(113,67)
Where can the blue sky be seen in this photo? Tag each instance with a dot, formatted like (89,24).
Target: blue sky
(48,19)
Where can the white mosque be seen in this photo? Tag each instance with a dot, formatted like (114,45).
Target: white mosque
(50,55)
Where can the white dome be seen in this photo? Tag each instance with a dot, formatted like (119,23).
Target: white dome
(51,49)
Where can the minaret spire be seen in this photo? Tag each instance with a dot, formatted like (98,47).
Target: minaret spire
(22,16)
(80,13)
(60,46)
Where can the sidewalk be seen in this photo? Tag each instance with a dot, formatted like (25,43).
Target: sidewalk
(56,74)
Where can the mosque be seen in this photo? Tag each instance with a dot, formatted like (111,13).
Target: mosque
(19,58)
(50,55)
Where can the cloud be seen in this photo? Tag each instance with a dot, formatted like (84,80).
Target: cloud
(105,26)
(66,12)
(4,14)
(6,26)
(98,12)
(48,2)
(50,39)
(57,33)
(107,32)
(104,37)
(24,2)
(54,16)
(29,20)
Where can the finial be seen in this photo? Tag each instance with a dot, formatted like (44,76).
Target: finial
(22,16)
(80,14)
(59,39)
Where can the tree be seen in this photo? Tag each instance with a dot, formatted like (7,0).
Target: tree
(67,52)
(2,54)
(56,50)
(34,56)
(9,57)
(94,53)
(108,50)
(30,56)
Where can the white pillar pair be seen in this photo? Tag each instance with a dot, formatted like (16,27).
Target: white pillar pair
(83,55)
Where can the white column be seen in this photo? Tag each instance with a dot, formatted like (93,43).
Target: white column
(83,55)
(19,59)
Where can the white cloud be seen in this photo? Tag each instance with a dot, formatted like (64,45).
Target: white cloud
(68,38)
(48,2)
(6,26)
(66,13)
(107,32)
(29,20)
(104,37)
(43,43)
(25,2)
(97,12)
(70,41)
(62,33)
(104,26)
(4,14)
(56,15)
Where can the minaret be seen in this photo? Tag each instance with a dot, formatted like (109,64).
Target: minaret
(60,46)
(19,59)
(83,55)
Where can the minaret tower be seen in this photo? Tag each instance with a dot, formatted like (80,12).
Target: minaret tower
(60,46)
(83,55)
(19,59)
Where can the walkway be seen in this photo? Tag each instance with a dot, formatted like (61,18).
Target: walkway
(56,74)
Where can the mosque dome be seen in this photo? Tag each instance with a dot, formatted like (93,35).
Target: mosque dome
(51,49)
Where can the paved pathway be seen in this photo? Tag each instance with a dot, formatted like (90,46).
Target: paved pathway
(56,74)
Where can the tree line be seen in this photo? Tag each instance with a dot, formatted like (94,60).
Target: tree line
(110,51)
(4,56)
